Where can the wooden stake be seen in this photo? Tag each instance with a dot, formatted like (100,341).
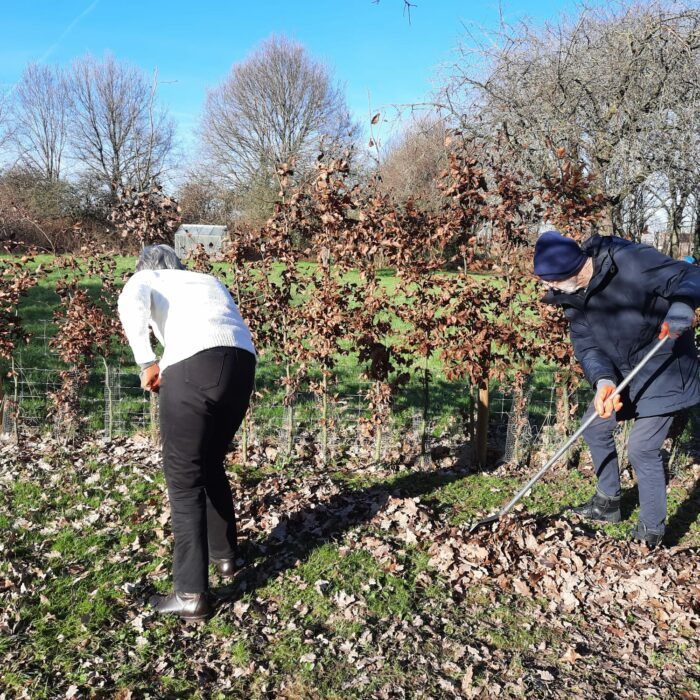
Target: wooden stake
(482,423)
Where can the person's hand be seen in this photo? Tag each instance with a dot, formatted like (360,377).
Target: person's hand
(605,405)
(150,378)
(679,319)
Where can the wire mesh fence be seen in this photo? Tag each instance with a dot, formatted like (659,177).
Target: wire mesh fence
(540,409)
(112,403)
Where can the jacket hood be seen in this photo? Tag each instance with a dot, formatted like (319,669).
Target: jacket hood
(595,245)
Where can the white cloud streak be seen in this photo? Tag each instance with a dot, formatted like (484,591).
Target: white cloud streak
(68,30)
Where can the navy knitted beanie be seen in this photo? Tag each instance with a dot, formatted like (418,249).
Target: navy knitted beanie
(557,257)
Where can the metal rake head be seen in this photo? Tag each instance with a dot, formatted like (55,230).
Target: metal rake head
(486,521)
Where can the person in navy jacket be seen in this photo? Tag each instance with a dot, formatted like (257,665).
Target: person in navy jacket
(619,297)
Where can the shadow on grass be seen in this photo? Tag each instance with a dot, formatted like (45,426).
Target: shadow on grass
(628,502)
(300,533)
(678,524)
(687,513)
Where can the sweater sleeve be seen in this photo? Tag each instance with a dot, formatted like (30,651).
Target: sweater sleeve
(135,313)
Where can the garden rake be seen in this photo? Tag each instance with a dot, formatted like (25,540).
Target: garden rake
(565,447)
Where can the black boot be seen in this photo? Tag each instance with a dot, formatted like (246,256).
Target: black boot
(189,606)
(641,533)
(600,507)
(225,567)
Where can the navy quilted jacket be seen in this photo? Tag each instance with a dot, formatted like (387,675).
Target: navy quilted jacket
(616,320)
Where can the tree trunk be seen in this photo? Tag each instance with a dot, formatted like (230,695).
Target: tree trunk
(324,420)
(679,201)
(673,231)
(290,430)
(290,408)
(2,403)
(482,422)
(426,407)
(616,221)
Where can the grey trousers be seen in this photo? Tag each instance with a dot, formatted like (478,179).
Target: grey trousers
(644,451)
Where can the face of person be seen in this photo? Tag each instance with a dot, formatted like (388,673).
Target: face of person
(568,286)
(572,284)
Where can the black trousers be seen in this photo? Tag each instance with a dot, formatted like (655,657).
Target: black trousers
(203,401)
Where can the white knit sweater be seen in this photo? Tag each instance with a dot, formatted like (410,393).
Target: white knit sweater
(188,312)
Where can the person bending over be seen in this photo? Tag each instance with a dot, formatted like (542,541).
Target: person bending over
(205,379)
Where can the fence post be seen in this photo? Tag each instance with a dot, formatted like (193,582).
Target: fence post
(244,437)
(378,443)
(109,407)
(425,458)
(290,427)
(567,422)
(324,420)
(471,426)
(15,406)
(482,422)
(153,409)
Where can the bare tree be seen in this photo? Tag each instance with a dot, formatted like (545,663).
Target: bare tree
(414,161)
(203,199)
(39,115)
(277,106)
(603,87)
(117,132)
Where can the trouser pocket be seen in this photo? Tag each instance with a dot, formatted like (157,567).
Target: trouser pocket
(204,369)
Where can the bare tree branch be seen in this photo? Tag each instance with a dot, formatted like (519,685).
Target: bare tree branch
(116,132)
(618,88)
(278,106)
(40,117)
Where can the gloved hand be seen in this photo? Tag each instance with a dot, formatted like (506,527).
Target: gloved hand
(150,378)
(604,405)
(679,318)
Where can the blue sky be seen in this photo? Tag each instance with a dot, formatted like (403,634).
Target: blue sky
(372,48)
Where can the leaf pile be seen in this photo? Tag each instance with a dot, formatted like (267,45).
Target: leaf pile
(630,599)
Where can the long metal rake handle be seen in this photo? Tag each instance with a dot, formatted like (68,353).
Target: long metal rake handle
(509,506)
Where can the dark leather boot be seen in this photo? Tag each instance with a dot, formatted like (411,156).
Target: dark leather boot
(641,533)
(225,567)
(189,606)
(601,508)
